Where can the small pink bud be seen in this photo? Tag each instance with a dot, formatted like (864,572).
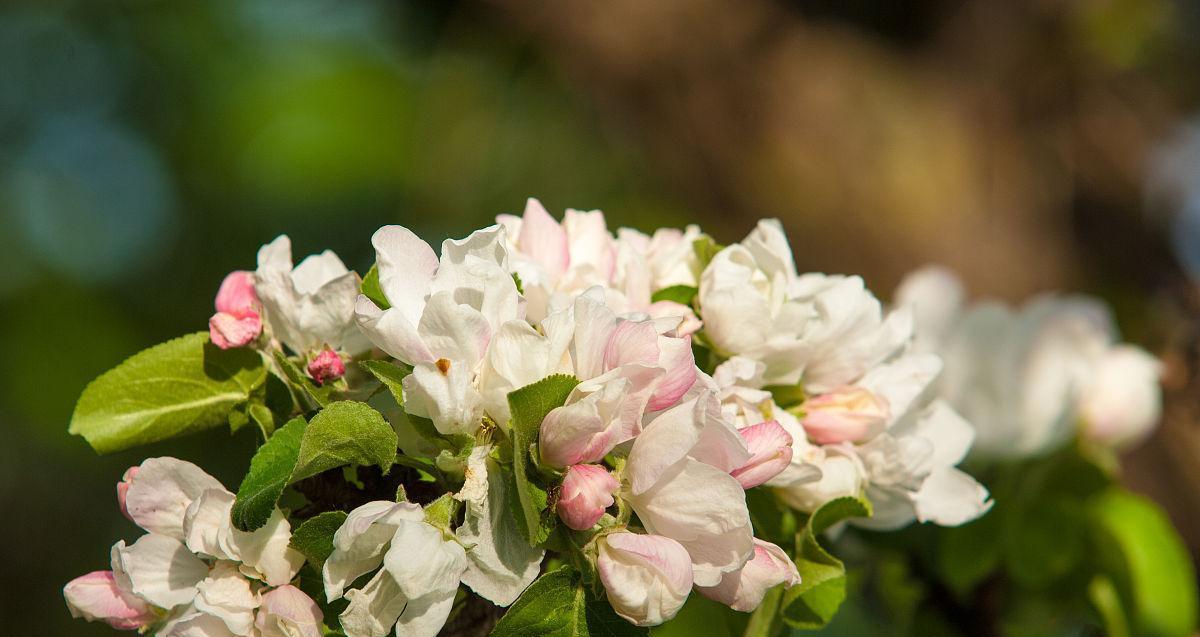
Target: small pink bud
(236,295)
(237,321)
(326,366)
(123,490)
(770,448)
(98,596)
(227,331)
(845,414)
(587,490)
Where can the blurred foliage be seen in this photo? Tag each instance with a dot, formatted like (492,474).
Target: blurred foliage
(149,147)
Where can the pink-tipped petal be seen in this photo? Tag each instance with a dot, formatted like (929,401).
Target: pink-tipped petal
(647,577)
(689,323)
(227,331)
(326,366)
(587,490)
(543,239)
(123,490)
(97,596)
(287,612)
(770,447)
(236,295)
(677,359)
(845,414)
(632,343)
(743,590)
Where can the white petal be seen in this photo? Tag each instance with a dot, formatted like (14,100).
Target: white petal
(207,527)
(647,577)
(266,550)
(226,594)
(447,398)
(704,509)
(950,497)
(161,492)
(543,239)
(406,268)
(100,596)
(287,612)
(195,624)
(501,563)
(458,333)
(425,616)
(160,569)
(904,383)
(359,544)
(316,270)
(374,608)
(391,331)
(422,562)
(936,297)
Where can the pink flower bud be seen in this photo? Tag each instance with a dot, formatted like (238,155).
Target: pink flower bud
(123,490)
(743,590)
(236,295)
(770,448)
(227,331)
(647,577)
(326,366)
(587,490)
(237,321)
(98,596)
(845,414)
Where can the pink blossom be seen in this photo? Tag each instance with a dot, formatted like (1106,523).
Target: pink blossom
(237,321)
(770,453)
(326,366)
(587,490)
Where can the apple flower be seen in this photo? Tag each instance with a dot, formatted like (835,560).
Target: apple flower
(237,321)
(743,590)
(647,577)
(288,612)
(823,330)
(558,261)
(1028,378)
(311,305)
(414,590)
(627,366)
(684,451)
(192,566)
(587,490)
(444,314)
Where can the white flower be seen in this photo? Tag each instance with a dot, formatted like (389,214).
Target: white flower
(627,366)
(647,577)
(443,316)
(288,612)
(414,591)
(1121,403)
(823,330)
(686,451)
(501,563)
(311,305)
(743,590)
(557,261)
(1028,378)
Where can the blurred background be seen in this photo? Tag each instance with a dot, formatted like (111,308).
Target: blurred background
(149,147)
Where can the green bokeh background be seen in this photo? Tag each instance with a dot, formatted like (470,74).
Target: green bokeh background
(149,147)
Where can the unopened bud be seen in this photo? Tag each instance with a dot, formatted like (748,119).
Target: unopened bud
(326,366)
(770,448)
(845,414)
(587,490)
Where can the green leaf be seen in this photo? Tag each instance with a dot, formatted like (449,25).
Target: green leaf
(529,406)
(314,536)
(814,601)
(345,433)
(677,293)
(1044,542)
(179,387)
(441,512)
(372,290)
(772,520)
(703,616)
(270,471)
(1147,561)
(300,380)
(1103,595)
(391,375)
(706,248)
(520,286)
(558,605)
(787,395)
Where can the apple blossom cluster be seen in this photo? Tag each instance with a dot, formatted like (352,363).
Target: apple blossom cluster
(580,399)
(1030,378)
